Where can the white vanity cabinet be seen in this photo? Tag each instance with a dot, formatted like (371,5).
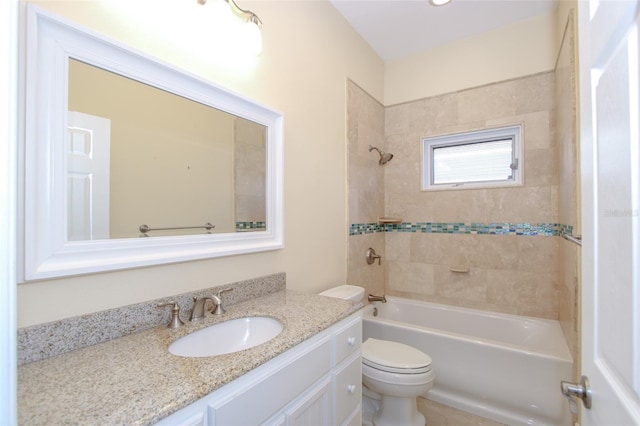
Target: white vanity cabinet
(318,382)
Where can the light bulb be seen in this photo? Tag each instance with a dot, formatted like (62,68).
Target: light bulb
(252,37)
(439,2)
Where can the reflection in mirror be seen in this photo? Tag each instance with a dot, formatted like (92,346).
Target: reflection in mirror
(140,155)
(193,153)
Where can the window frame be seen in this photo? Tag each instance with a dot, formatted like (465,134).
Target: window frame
(429,143)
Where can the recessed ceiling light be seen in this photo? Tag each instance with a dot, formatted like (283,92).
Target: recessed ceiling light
(439,2)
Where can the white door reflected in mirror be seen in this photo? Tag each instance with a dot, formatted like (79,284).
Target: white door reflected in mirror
(88,159)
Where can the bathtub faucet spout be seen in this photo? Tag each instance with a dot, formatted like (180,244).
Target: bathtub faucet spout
(373,298)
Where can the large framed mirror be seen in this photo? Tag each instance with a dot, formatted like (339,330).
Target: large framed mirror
(130,162)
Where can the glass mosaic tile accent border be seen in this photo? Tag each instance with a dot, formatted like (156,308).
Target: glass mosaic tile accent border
(253,226)
(528,229)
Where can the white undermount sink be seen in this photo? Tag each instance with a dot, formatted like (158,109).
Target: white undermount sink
(227,337)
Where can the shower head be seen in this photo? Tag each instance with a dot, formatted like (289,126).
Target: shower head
(384,157)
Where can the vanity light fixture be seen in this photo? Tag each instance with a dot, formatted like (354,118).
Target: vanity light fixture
(251,36)
(436,2)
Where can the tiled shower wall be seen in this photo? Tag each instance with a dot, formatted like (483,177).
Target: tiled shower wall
(516,269)
(568,202)
(506,273)
(365,126)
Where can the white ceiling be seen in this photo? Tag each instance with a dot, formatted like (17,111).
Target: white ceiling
(396,29)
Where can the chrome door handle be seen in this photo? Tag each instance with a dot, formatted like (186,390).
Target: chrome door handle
(580,390)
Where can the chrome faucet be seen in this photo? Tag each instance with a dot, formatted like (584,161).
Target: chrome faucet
(197,312)
(373,298)
(217,301)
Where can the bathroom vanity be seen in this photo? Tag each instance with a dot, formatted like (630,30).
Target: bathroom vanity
(316,382)
(309,373)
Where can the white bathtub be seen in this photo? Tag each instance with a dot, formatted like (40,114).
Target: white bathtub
(503,367)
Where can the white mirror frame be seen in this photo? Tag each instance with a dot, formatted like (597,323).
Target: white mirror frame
(46,251)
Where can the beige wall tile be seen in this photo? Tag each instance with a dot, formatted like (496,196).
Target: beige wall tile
(495,251)
(487,102)
(441,111)
(439,249)
(536,128)
(414,278)
(535,93)
(512,274)
(541,168)
(526,205)
(454,287)
(410,207)
(469,205)
(531,293)
(371,277)
(538,253)
(365,119)
(398,246)
(568,190)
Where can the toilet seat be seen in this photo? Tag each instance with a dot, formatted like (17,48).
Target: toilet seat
(394,357)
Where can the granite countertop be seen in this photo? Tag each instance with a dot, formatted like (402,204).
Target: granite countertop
(135,380)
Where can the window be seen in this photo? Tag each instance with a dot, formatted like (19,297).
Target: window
(480,159)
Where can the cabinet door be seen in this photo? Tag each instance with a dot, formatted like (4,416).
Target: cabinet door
(355,418)
(313,407)
(258,400)
(347,380)
(279,419)
(196,419)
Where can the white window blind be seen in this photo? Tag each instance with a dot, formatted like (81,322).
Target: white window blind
(481,159)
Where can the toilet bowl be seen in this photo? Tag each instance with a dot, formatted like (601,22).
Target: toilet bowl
(399,374)
(393,373)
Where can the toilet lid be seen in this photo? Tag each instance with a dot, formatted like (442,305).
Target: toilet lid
(394,357)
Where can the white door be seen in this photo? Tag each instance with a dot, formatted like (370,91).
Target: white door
(88,161)
(610,176)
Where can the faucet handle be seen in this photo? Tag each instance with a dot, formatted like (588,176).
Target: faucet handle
(175,320)
(217,300)
(224,290)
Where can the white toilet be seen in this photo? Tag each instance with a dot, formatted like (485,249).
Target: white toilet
(393,373)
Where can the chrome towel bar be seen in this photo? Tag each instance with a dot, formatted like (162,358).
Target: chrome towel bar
(577,239)
(145,228)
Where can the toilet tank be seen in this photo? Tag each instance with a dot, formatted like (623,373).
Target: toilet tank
(347,292)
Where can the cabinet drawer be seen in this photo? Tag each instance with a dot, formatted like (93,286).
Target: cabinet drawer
(348,387)
(347,340)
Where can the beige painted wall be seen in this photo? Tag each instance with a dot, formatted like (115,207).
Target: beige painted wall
(250,171)
(171,158)
(523,48)
(309,51)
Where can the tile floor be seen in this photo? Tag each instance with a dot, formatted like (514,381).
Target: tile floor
(442,415)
